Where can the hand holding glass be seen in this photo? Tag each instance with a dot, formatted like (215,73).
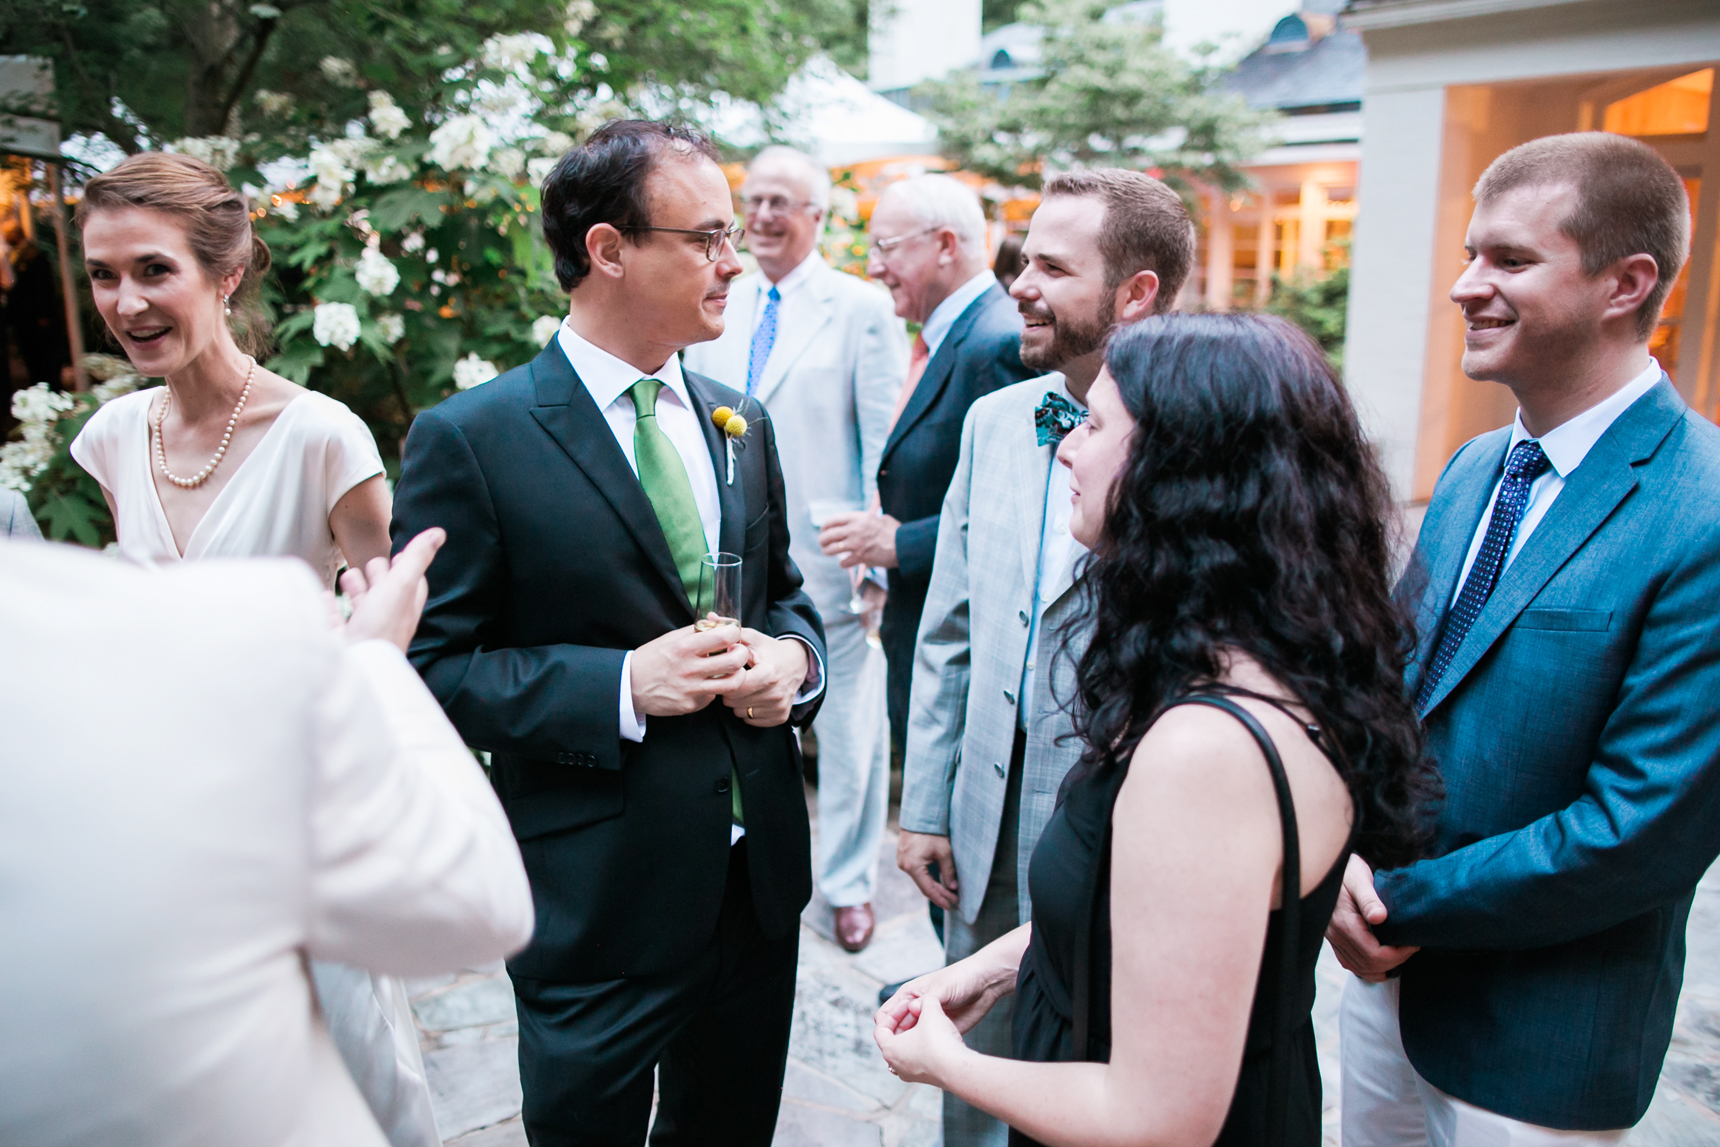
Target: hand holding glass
(821,512)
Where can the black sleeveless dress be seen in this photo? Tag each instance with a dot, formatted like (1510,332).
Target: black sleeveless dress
(1060,879)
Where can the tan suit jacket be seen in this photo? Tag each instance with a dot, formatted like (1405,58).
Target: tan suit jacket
(201,786)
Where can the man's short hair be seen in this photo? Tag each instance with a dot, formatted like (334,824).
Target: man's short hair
(1145,228)
(603,181)
(817,175)
(940,201)
(1629,202)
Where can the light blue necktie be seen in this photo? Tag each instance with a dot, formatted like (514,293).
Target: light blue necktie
(764,337)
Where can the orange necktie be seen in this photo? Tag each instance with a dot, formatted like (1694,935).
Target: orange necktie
(916,367)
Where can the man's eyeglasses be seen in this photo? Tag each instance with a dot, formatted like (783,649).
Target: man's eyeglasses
(881,248)
(714,238)
(772,205)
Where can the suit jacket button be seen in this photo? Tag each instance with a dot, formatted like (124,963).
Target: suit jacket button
(564,758)
(1001,771)
(723,783)
(1008,696)
(1023,616)
(885,473)
(589,760)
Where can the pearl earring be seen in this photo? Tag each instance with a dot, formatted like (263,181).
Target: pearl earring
(227,305)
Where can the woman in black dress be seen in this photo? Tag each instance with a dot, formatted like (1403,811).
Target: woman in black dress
(1246,727)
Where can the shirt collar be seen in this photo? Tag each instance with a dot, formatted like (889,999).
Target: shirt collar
(945,314)
(794,280)
(607,377)
(1567,444)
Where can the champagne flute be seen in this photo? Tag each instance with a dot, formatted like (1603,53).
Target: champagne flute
(719,590)
(821,511)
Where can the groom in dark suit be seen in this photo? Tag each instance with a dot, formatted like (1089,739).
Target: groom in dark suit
(648,768)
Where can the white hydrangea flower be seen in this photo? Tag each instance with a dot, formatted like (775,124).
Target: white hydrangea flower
(510,52)
(579,14)
(463,143)
(287,210)
(386,169)
(432,255)
(537,170)
(330,167)
(391,327)
(20,462)
(544,328)
(273,103)
(38,405)
(508,162)
(376,274)
(556,143)
(472,370)
(217,151)
(336,325)
(36,408)
(264,11)
(386,116)
(414,241)
(339,71)
(106,392)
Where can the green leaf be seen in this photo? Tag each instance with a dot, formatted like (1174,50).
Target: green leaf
(396,208)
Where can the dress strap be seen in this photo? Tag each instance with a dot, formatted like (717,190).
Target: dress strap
(1278,1087)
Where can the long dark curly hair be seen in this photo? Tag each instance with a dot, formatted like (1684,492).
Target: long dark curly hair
(1252,516)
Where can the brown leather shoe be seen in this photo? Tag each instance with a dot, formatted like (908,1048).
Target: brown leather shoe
(854,927)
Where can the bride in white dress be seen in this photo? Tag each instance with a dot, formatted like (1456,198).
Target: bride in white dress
(230,460)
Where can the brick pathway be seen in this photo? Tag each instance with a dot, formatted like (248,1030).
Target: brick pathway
(839,1094)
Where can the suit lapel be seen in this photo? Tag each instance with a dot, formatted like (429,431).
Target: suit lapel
(940,368)
(1032,465)
(730,495)
(816,310)
(1444,547)
(567,413)
(1591,494)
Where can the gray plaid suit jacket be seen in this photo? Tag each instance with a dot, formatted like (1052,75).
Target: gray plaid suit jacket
(973,647)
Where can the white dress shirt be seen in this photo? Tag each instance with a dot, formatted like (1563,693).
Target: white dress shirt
(608,379)
(945,314)
(1058,553)
(786,288)
(1566,445)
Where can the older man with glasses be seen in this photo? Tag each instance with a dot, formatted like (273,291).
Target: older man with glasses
(929,249)
(828,355)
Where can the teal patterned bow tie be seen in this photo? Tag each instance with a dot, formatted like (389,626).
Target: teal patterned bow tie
(1055,417)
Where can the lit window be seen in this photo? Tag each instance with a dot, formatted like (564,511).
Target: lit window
(1677,107)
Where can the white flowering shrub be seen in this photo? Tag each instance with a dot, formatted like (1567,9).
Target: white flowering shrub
(472,370)
(65,500)
(336,325)
(544,329)
(376,275)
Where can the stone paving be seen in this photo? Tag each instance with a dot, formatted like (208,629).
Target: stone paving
(839,1094)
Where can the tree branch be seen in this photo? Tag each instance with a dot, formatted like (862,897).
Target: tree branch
(264,31)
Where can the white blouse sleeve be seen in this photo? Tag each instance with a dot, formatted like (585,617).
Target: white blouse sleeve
(352,455)
(93,448)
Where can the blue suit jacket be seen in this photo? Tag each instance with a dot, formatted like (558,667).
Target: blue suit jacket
(980,354)
(1576,731)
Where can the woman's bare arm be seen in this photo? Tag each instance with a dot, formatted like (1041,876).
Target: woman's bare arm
(359,522)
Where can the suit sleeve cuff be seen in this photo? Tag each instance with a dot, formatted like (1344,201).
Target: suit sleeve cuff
(632,724)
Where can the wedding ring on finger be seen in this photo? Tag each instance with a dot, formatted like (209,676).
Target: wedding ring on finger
(749,712)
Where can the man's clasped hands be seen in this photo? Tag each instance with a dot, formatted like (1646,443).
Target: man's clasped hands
(756,675)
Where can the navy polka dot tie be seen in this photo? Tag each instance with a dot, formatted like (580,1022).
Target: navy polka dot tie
(1526,463)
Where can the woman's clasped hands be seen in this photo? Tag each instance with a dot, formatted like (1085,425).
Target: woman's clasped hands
(919,1029)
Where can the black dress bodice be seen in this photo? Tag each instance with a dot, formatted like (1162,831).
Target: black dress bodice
(1058,882)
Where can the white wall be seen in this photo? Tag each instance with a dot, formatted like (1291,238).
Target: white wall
(914,40)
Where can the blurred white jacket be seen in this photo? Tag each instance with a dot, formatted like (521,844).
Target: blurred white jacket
(200,787)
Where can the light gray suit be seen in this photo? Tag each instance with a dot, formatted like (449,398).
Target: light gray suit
(16,520)
(830,384)
(968,668)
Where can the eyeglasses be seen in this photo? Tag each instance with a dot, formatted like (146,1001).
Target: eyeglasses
(714,238)
(772,205)
(881,248)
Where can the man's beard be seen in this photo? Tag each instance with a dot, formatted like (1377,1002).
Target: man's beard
(1069,340)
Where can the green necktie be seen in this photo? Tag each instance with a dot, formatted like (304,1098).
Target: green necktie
(664,477)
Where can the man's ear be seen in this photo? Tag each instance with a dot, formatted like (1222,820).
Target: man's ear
(603,247)
(1136,295)
(949,247)
(1633,278)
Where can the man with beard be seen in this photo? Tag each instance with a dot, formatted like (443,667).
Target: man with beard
(984,759)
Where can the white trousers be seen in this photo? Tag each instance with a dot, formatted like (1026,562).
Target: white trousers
(1386,1102)
(370,1021)
(853,729)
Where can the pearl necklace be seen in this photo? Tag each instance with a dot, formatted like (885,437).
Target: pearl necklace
(226,438)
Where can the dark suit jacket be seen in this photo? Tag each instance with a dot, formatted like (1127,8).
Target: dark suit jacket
(1576,730)
(981,353)
(554,568)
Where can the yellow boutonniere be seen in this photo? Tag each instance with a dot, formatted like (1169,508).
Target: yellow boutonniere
(729,422)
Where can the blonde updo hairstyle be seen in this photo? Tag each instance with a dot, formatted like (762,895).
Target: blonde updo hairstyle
(217,222)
